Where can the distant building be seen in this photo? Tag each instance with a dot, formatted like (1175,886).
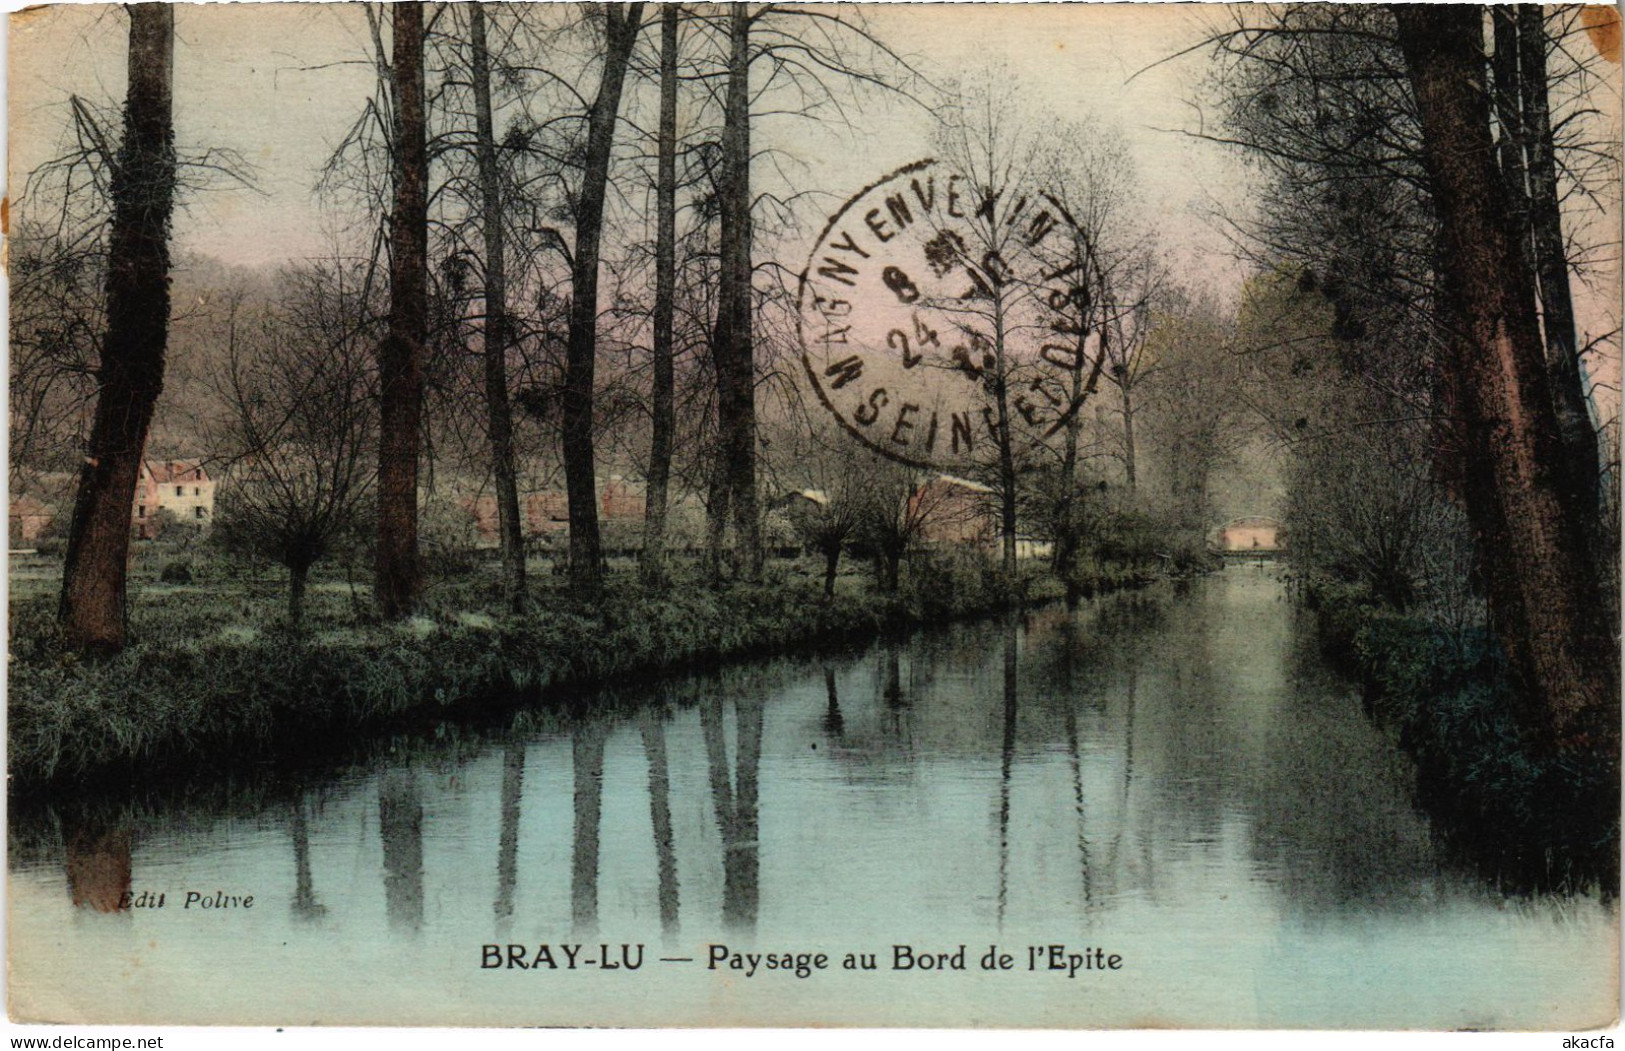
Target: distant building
(546,512)
(799,498)
(954,510)
(27,520)
(181,487)
(1252,533)
(958,511)
(620,500)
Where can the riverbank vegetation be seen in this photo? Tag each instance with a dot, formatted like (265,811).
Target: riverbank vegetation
(1531,816)
(218,675)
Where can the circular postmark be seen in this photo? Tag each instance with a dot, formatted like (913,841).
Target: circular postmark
(936,314)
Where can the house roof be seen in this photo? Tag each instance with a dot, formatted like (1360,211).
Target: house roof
(166,471)
(1252,522)
(962,483)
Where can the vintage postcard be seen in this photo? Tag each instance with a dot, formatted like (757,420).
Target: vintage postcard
(741,515)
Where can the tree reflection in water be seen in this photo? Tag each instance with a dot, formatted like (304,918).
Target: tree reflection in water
(834,725)
(513,788)
(305,906)
(652,725)
(587,750)
(400,826)
(735,803)
(1007,756)
(98,862)
(1153,757)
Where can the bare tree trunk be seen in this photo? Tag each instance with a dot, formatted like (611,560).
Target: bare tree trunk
(1007,462)
(1066,543)
(397,574)
(298,576)
(735,355)
(131,375)
(1552,269)
(1509,115)
(1128,438)
(498,413)
(661,408)
(889,565)
(1561,650)
(716,506)
(1066,532)
(581,485)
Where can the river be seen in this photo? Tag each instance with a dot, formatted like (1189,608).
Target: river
(1169,781)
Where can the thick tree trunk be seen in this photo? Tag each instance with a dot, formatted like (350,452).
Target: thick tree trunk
(832,562)
(735,356)
(1561,650)
(298,577)
(131,374)
(499,415)
(1552,269)
(580,479)
(397,574)
(661,410)
(892,563)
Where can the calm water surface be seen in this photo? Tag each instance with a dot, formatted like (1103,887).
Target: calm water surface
(1171,778)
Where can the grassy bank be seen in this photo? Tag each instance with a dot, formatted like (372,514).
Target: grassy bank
(212,674)
(1532,816)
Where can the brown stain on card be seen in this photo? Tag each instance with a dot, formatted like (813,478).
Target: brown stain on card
(98,863)
(27,16)
(1602,26)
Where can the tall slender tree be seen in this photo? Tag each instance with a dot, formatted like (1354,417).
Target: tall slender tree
(398,574)
(131,373)
(1552,265)
(733,345)
(586,549)
(499,415)
(661,402)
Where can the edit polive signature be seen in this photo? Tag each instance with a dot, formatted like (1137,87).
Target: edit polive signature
(190,899)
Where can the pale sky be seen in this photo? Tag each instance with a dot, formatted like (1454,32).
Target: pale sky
(243,79)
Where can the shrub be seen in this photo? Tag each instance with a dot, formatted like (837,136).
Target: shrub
(176,573)
(1531,816)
